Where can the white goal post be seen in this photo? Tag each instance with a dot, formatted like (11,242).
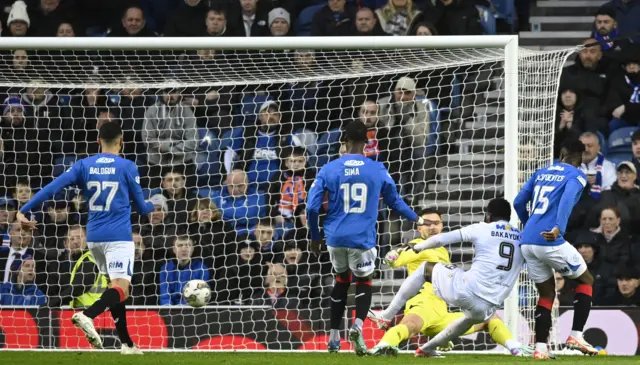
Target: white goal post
(499,128)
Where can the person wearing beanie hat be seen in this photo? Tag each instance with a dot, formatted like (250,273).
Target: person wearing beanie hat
(628,291)
(18,19)
(603,272)
(279,22)
(605,28)
(13,111)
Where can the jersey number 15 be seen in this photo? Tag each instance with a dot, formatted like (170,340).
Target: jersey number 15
(110,186)
(357,193)
(540,197)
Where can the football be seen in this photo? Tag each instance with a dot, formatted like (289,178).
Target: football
(196,293)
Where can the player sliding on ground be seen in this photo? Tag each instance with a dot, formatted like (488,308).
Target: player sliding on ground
(553,191)
(479,291)
(354,184)
(107,182)
(427,313)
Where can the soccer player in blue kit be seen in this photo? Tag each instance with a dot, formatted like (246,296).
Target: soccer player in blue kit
(553,192)
(354,184)
(107,182)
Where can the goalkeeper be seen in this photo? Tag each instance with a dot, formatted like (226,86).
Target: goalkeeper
(427,313)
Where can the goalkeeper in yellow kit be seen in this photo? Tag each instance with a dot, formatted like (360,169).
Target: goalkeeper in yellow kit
(427,313)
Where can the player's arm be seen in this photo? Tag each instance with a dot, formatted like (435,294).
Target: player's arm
(570,196)
(393,200)
(314,203)
(445,239)
(522,199)
(135,190)
(69,177)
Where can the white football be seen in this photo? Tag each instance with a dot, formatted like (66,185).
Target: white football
(196,293)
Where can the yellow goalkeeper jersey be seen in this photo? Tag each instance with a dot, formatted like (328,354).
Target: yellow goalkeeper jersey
(412,261)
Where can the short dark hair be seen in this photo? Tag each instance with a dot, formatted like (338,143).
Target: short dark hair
(498,209)
(266,221)
(635,136)
(294,151)
(356,131)
(110,131)
(574,146)
(608,11)
(429,210)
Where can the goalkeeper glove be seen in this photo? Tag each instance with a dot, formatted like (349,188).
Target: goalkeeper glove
(391,257)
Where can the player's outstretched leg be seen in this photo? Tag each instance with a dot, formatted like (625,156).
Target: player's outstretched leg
(500,334)
(119,314)
(547,293)
(363,303)
(581,309)
(338,303)
(410,326)
(455,329)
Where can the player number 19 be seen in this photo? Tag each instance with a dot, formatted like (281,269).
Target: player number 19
(540,196)
(358,194)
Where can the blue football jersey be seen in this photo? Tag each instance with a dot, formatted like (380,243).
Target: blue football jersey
(553,192)
(107,181)
(354,184)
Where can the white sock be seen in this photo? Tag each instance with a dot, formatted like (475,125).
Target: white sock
(512,344)
(358,323)
(453,330)
(409,288)
(541,346)
(334,335)
(576,334)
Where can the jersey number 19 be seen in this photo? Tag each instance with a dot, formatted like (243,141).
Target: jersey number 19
(356,192)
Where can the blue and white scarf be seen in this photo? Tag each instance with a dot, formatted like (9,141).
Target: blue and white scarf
(596,188)
(635,96)
(605,40)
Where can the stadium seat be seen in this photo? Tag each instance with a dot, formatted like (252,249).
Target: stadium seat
(62,163)
(208,158)
(506,10)
(303,26)
(487,19)
(328,145)
(620,141)
(618,157)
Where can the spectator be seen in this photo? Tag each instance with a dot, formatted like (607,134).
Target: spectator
(601,173)
(22,192)
(627,15)
(275,292)
(627,293)
(614,242)
(81,124)
(160,229)
(132,24)
(423,29)
(582,215)
(85,284)
(367,24)
(17,132)
(180,199)
(177,272)
(216,24)
(22,290)
(20,63)
(143,281)
(606,29)
(288,187)
(569,122)
(589,76)
(279,22)
(241,207)
(452,17)
(209,233)
(132,104)
(265,238)
(302,274)
(65,29)
(187,20)
(7,216)
(623,99)
(334,19)
(256,17)
(18,20)
(21,245)
(170,135)
(60,263)
(396,16)
(56,223)
(47,15)
(625,195)
(409,119)
(635,149)
(244,273)
(602,272)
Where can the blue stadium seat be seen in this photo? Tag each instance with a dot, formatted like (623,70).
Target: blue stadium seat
(618,157)
(148,193)
(506,10)
(303,25)
(328,146)
(487,19)
(620,141)
(61,163)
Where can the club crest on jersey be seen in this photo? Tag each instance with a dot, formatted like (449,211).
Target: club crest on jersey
(105,160)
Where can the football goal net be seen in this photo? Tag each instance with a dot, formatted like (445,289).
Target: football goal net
(228,134)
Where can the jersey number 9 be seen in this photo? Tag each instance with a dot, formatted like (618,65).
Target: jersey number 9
(506,251)
(358,194)
(110,186)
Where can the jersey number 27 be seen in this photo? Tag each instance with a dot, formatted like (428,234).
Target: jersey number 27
(110,186)
(540,197)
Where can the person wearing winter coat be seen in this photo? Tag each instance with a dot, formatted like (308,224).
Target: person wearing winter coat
(177,272)
(623,99)
(624,195)
(574,117)
(614,242)
(22,290)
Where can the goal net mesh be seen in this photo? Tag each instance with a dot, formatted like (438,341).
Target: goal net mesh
(227,144)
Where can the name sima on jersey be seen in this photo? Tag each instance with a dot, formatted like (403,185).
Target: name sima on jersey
(352,172)
(102,170)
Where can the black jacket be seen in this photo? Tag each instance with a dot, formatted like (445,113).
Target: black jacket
(592,85)
(461,17)
(617,299)
(187,21)
(619,94)
(617,250)
(84,279)
(627,202)
(325,24)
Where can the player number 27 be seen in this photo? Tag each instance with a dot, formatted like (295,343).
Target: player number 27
(111,186)
(540,197)
(357,193)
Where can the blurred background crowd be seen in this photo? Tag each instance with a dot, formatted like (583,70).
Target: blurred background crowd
(228,167)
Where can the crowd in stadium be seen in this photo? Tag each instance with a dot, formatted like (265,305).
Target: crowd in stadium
(232,212)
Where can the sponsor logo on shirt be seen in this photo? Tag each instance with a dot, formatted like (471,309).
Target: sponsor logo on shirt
(115,265)
(105,160)
(364,264)
(354,163)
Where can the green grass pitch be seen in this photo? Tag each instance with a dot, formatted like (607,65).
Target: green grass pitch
(228,358)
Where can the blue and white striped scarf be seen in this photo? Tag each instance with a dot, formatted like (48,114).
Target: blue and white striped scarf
(635,96)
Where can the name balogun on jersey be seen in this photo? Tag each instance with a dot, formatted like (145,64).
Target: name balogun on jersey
(103,170)
(353,170)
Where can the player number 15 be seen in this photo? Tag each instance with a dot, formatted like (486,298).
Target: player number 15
(358,194)
(540,197)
